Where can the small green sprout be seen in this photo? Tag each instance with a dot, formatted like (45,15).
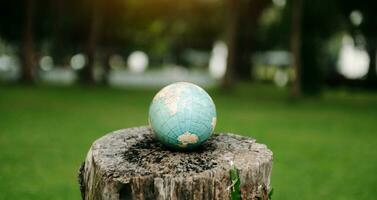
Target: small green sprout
(270,193)
(235,193)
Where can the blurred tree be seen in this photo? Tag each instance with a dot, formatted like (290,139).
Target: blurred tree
(232,27)
(27,44)
(250,13)
(63,27)
(57,32)
(295,46)
(111,39)
(273,30)
(95,16)
(24,25)
(299,27)
(316,30)
(18,29)
(95,28)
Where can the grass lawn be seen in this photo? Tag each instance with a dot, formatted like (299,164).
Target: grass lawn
(324,148)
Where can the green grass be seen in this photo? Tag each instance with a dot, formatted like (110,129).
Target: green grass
(324,148)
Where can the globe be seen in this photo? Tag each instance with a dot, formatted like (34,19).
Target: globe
(182,115)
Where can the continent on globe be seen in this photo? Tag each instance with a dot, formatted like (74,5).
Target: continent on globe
(182,115)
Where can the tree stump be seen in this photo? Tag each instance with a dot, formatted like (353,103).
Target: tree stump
(130,164)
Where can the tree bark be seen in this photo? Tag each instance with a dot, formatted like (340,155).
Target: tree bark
(27,45)
(296,47)
(130,164)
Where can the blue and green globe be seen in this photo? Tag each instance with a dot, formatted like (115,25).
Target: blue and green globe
(182,115)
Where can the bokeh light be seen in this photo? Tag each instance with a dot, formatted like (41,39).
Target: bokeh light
(5,63)
(353,61)
(46,63)
(356,17)
(137,62)
(281,78)
(217,62)
(78,61)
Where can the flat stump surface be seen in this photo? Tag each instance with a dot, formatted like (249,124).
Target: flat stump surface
(131,164)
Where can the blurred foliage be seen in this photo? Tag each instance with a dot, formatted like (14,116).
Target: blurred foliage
(165,29)
(158,26)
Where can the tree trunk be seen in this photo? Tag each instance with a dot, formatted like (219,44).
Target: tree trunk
(107,53)
(251,11)
(86,73)
(296,47)
(27,45)
(58,33)
(231,34)
(130,164)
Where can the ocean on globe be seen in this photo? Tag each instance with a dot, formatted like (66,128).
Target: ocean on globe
(182,115)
